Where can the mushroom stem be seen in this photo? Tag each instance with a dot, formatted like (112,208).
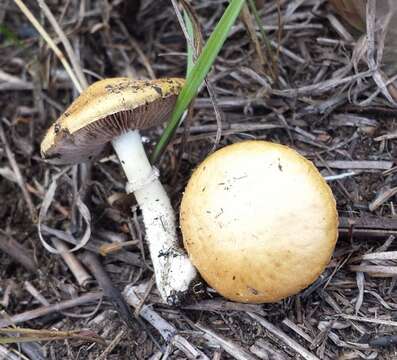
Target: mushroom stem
(172,267)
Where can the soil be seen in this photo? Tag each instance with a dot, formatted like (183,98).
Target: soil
(314,96)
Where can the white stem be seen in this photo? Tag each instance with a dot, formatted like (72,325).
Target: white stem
(172,267)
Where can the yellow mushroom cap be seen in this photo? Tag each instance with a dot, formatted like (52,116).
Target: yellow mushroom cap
(258,221)
(105,110)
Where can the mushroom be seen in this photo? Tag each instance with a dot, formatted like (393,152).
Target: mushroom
(258,221)
(114,110)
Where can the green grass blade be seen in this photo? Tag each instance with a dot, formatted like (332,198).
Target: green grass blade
(190,51)
(199,71)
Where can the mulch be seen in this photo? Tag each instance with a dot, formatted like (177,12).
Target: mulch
(318,91)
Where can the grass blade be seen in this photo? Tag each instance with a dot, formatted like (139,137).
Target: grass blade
(190,50)
(199,71)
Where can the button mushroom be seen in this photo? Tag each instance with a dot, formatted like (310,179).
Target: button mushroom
(258,221)
(114,110)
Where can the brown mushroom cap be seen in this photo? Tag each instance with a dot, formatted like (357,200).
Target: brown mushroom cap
(105,110)
(258,221)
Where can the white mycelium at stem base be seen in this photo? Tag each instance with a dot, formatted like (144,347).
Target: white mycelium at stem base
(172,267)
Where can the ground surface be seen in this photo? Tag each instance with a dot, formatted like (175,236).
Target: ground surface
(320,104)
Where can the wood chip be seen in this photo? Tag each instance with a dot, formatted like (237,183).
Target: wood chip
(352,120)
(306,354)
(229,346)
(385,255)
(385,271)
(357,164)
(369,320)
(382,198)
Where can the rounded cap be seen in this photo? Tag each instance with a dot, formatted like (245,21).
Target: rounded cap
(258,221)
(105,110)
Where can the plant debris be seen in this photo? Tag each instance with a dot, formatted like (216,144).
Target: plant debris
(326,96)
